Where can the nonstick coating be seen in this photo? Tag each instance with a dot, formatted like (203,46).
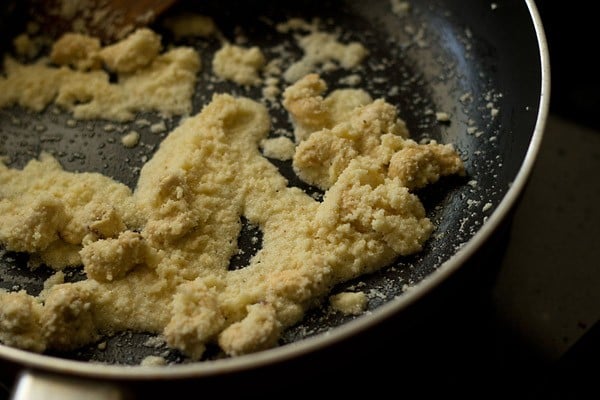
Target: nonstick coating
(478,63)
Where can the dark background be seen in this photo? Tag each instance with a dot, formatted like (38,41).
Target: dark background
(572,32)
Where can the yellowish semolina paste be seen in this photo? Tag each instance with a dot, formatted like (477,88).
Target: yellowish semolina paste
(321,49)
(335,130)
(157,259)
(238,64)
(73,78)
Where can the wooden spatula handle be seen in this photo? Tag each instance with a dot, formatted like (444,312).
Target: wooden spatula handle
(107,19)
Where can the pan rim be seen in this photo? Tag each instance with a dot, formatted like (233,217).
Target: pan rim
(29,360)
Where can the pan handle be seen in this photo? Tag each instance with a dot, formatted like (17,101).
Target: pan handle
(36,385)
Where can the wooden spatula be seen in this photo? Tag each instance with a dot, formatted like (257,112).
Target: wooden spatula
(108,20)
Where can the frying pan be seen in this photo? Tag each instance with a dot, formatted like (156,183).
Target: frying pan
(485,64)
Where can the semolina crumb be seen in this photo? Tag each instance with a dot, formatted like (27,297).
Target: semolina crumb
(349,303)
(153,361)
(158,127)
(131,139)
(441,116)
(281,148)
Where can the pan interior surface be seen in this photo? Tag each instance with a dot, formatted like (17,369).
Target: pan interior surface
(432,57)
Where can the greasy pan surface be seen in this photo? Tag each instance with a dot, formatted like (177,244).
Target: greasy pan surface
(480,64)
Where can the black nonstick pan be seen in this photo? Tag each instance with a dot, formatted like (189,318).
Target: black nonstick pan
(483,64)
